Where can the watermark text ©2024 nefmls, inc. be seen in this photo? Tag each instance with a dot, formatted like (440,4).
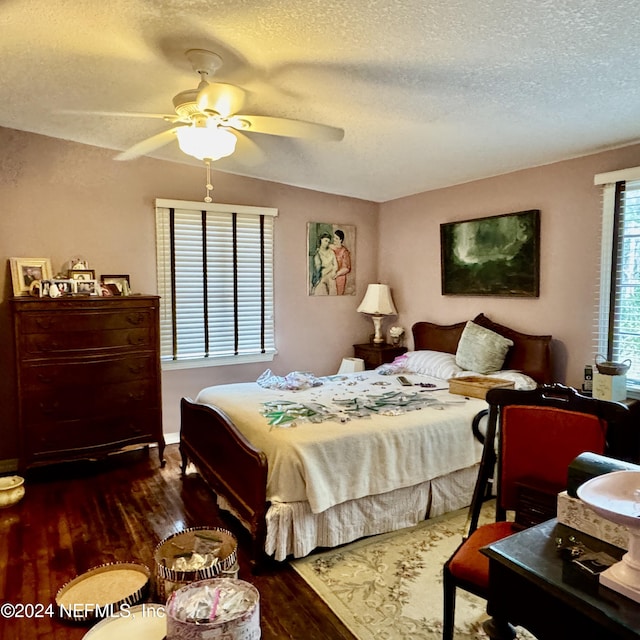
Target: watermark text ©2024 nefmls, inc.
(78,611)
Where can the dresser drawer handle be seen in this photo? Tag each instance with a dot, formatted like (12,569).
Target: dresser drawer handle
(136,341)
(51,407)
(44,323)
(45,379)
(50,345)
(137,396)
(136,368)
(135,318)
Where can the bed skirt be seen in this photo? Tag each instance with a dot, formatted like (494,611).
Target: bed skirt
(294,530)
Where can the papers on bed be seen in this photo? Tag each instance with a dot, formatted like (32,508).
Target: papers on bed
(330,462)
(287,413)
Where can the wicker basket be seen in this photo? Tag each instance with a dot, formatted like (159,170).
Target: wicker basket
(477,386)
(101,591)
(210,541)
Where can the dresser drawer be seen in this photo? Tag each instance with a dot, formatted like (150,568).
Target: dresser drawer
(83,436)
(88,401)
(57,343)
(72,322)
(40,376)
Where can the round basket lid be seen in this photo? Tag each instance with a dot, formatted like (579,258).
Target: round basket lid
(195,554)
(142,622)
(101,591)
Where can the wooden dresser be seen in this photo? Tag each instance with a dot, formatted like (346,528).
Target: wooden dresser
(88,376)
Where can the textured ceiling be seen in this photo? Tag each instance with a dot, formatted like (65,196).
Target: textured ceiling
(429,93)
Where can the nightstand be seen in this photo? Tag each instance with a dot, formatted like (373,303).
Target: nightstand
(376,354)
(623,440)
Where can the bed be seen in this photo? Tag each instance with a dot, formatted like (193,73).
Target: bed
(368,457)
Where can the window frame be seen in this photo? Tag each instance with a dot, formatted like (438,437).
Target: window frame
(609,253)
(164,270)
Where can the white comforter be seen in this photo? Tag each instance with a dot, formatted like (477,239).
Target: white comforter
(332,462)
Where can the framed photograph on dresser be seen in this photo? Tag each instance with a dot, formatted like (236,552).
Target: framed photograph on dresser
(87,287)
(24,271)
(81,274)
(121,285)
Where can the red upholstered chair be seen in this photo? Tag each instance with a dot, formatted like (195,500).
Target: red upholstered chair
(538,434)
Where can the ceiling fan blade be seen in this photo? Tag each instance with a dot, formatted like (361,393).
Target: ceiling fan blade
(285,127)
(147,146)
(223,99)
(123,114)
(248,153)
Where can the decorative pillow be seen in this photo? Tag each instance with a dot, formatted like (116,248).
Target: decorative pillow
(432,363)
(395,367)
(481,349)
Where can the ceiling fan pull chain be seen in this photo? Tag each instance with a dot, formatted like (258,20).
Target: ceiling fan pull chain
(209,186)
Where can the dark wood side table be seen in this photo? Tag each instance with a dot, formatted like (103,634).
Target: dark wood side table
(530,585)
(623,440)
(376,354)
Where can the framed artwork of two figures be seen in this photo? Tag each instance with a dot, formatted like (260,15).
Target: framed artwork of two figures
(331,259)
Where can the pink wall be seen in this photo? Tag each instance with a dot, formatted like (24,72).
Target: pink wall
(570,209)
(61,199)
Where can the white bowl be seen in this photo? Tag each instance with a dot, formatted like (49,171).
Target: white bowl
(11,490)
(615,496)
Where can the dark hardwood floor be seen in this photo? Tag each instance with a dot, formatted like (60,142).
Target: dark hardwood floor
(79,515)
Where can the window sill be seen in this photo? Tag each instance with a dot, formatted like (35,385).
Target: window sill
(200,363)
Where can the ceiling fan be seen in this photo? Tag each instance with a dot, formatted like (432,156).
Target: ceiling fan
(207,119)
(207,122)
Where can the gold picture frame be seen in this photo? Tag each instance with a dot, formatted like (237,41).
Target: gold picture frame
(24,271)
(81,274)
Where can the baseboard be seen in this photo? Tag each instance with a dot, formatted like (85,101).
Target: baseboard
(10,465)
(172,438)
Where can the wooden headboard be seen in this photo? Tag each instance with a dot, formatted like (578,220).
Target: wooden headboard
(530,354)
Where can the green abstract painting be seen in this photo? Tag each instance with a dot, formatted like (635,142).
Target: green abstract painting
(493,256)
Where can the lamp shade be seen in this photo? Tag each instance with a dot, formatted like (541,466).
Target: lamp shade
(206,143)
(377,301)
(351,365)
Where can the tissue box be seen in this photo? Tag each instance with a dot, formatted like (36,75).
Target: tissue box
(576,514)
(612,388)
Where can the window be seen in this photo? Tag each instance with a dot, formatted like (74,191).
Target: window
(619,311)
(215,279)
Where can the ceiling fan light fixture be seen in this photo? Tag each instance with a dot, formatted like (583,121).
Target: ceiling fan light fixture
(206,143)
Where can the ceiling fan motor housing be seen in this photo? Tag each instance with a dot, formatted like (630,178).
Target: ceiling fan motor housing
(185,103)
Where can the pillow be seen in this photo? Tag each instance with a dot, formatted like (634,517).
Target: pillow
(437,364)
(481,349)
(393,368)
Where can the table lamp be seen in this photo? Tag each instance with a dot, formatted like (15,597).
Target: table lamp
(377,303)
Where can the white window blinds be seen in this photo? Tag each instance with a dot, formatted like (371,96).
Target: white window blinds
(215,279)
(619,318)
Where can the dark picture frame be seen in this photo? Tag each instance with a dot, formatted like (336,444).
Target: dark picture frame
(121,283)
(492,256)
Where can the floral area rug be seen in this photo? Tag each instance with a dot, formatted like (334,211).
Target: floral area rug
(389,587)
